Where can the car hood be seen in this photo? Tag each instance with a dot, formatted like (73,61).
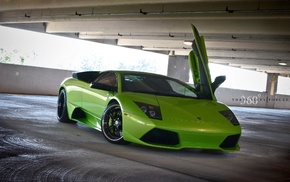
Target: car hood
(188,112)
(184,112)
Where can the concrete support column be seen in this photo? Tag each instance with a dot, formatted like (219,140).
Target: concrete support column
(178,68)
(271,89)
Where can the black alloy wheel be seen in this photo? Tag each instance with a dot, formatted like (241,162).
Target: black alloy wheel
(62,114)
(112,124)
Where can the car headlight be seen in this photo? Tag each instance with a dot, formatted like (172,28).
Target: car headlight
(230,116)
(150,110)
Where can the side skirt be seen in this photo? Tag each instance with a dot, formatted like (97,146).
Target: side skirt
(86,118)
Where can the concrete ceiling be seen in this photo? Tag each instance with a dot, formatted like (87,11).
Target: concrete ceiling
(252,34)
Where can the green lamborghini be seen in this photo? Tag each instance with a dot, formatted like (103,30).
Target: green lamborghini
(151,109)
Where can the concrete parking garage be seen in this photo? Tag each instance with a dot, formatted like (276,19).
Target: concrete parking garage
(247,34)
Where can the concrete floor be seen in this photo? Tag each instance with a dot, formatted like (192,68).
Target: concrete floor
(34,146)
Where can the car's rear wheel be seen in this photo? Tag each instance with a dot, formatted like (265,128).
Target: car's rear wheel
(112,124)
(62,114)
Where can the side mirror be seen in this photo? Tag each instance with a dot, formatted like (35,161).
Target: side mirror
(103,87)
(217,82)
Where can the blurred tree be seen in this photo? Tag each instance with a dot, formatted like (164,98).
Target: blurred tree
(4,56)
(14,56)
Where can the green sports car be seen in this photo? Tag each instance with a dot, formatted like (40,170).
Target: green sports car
(151,109)
(147,109)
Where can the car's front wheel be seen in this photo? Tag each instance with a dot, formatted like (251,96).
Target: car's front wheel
(112,124)
(62,114)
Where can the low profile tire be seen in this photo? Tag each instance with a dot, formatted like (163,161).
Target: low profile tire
(112,124)
(62,114)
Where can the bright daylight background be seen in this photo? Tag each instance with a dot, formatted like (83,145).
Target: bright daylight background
(44,50)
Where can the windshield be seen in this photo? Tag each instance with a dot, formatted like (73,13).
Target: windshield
(156,84)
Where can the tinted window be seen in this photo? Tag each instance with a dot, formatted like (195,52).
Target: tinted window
(155,84)
(108,79)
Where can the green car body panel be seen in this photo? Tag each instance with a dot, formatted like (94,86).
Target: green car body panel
(176,122)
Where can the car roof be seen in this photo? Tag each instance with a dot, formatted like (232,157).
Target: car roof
(133,72)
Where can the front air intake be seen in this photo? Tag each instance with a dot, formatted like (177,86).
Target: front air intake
(161,137)
(230,141)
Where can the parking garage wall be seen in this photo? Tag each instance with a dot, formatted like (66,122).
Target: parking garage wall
(234,97)
(20,79)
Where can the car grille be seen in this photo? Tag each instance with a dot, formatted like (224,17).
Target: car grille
(161,137)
